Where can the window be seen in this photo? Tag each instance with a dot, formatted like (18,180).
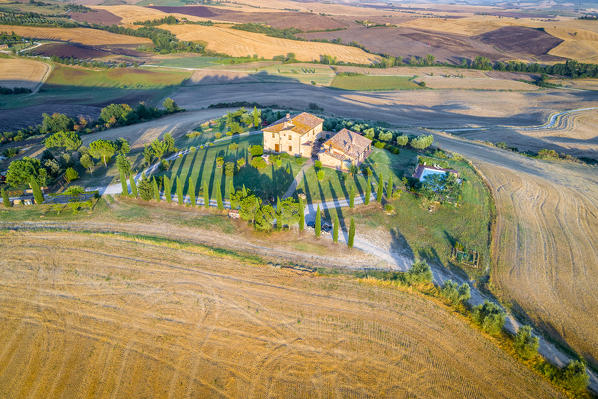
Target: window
(290,138)
(290,148)
(272,135)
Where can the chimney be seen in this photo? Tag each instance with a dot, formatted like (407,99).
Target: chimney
(288,116)
(287,122)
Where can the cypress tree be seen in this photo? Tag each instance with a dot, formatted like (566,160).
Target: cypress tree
(278,214)
(301,215)
(389,188)
(335,229)
(231,188)
(6,199)
(168,189)
(380,192)
(352,197)
(156,189)
(179,190)
(218,195)
(318,226)
(351,234)
(123,182)
(192,191)
(206,195)
(133,186)
(244,191)
(37,193)
(368,191)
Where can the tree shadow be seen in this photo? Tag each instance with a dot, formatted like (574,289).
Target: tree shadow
(400,249)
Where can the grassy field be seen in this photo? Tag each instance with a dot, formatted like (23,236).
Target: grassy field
(21,72)
(372,83)
(90,315)
(90,37)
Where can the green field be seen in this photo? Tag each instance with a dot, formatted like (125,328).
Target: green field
(189,62)
(304,73)
(373,82)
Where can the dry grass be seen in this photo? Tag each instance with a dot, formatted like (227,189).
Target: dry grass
(483,83)
(90,37)
(239,43)
(101,316)
(132,13)
(21,72)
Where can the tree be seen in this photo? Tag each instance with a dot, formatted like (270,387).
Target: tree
(179,190)
(264,217)
(229,169)
(380,191)
(168,141)
(490,317)
(301,215)
(168,189)
(257,117)
(575,376)
(289,212)
(249,205)
(352,197)
(455,294)
(70,174)
(385,136)
(6,199)
(402,140)
(191,191)
(230,188)
(389,188)
(420,273)
(219,202)
(318,225)
(123,146)
(37,192)
(146,188)
(102,149)
(525,344)
(156,189)
(21,171)
(133,186)
(170,106)
(68,140)
(206,194)
(123,164)
(335,229)
(56,123)
(422,142)
(256,150)
(123,183)
(368,191)
(351,238)
(158,149)
(86,162)
(117,114)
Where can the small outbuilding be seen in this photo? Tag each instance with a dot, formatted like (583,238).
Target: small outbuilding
(344,149)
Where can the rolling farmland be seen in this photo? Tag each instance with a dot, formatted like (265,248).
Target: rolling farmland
(140,318)
(19,72)
(90,37)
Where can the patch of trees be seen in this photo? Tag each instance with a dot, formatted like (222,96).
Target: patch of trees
(11,17)
(89,63)
(287,33)
(14,90)
(169,20)
(11,38)
(240,120)
(158,149)
(264,217)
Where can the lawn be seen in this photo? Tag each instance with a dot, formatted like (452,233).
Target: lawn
(373,83)
(200,166)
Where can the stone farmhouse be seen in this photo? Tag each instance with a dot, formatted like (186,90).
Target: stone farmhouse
(301,136)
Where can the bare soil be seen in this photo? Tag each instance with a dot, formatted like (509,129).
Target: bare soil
(100,17)
(524,41)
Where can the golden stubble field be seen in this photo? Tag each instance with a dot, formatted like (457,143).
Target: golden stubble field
(90,37)
(105,316)
(21,72)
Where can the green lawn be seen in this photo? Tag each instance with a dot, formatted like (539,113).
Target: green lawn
(373,82)
(200,166)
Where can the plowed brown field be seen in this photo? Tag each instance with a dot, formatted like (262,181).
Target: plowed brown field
(106,316)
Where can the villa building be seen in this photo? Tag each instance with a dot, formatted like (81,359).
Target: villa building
(344,149)
(296,136)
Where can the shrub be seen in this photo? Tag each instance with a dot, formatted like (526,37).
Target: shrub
(320,175)
(240,162)
(455,294)
(574,376)
(217,135)
(71,174)
(74,191)
(389,209)
(318,164)
(419,273)
(256,150)
(258,162)
(385,136)
(525,344)
(219,162)
(379,144)
(402,140)
(490,317)
(229,169)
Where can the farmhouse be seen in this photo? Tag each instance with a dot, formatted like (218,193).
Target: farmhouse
(422,171)
(295,136)
(344,149)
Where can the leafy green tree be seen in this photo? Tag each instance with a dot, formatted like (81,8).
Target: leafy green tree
(422,142)
(490,317)
(335,229)
(56,123)
(179,190)
(156,189)
(102,149)
(318,225)
(380,191)
(352,197)
(86,162)
(256,150)
(6,199)
(123,146)
(229,169)
(206,195)
(218,191)
(525,344)
(402,140)
(455,294)
(133,186)
(70,174)
(146,188)
(68,140)
(257,117)
(249,205)
(368,191)
(301,215)
(37,192)
(21,171)
(168,141)
(120,114)
(168,189)
(389,188)
(288,212)
(123,164)
(351,238)
(264,217)
(123,182)
(191,191)
(158,148)
(385,136)
(170,106)
(574,377)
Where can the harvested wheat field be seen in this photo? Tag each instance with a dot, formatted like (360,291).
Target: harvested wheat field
(131,13)
(238,43)
(482,83)
(109,316)
(90,37)
(21,72)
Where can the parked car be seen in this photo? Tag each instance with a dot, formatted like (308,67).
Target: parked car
(324,225)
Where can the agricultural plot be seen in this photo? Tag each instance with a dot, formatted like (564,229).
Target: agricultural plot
(86,36)
(373,82)
(143,318)
(21,72)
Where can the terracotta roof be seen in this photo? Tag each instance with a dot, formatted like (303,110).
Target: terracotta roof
(350,143)
(301,124)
